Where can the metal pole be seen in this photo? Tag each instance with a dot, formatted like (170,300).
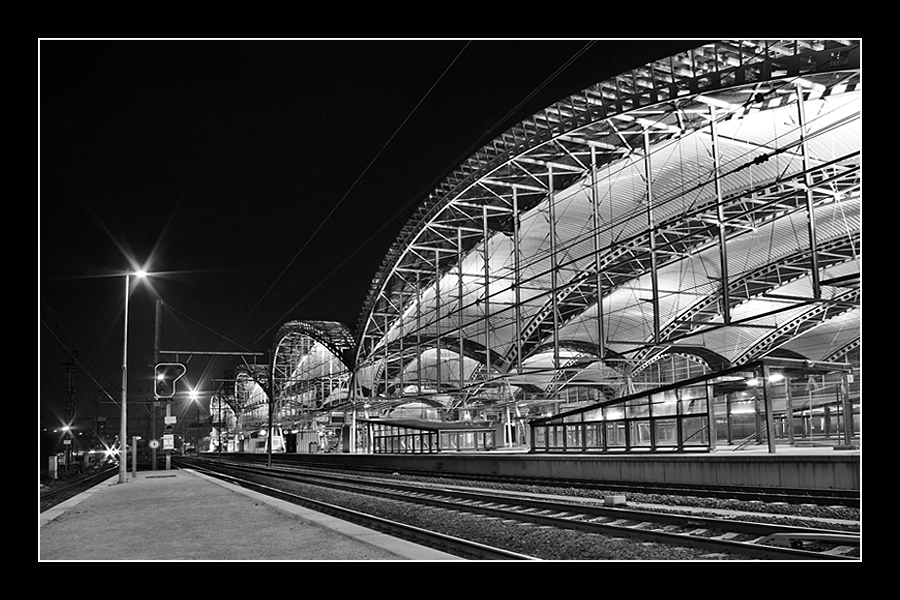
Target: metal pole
(554,283)
(770,418)
(846,409)
(154,433)
(459,312)
(437,319)
(789,406)
(487,294)
(810,212)
(123,429)
(518,281)
(648,174)
(134,445)
(595,205)
(271,387)
(720,213)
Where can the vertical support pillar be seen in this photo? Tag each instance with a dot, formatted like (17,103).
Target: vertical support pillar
(554,283)
(401,355)
(729,436)
(720,217)
(384,368)
(711,428)
(418,352)
(459,308)
(847,410)
(517,278)
(770,418)
(648,174)
(487,295)
(789,408)
(437,319)
(810,213)
(595,204)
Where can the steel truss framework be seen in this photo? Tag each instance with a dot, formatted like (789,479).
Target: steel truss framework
(707,205)
(311,360)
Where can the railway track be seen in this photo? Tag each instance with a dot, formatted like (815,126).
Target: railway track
(849,499)
(713,535)
(64,490)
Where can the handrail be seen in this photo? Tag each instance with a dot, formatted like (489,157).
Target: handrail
(749,438)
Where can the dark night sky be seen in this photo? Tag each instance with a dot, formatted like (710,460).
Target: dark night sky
(264,180)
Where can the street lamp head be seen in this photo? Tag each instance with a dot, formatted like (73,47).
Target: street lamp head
(140,273)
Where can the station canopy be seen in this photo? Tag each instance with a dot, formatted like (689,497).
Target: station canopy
(705,206)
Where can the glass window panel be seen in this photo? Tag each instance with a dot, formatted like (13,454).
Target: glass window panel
(540,437)
(665,404)
(592,435)
(693,400)
(615,434)
(640,433)
(666,432)
(573,436)
(639,407)
(614,413)
(595,414)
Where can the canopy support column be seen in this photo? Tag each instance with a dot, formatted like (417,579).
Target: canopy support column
(554,283)
(517,279)
(487,294)
(437,317)
(459,307)
(648,174)
(595,202)
(810,214)
(720,217)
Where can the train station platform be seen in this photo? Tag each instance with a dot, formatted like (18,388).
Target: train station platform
(184,515)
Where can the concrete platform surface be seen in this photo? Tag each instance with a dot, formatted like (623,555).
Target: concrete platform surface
(184,515)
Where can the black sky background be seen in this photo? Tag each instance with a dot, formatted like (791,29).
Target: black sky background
(262,180)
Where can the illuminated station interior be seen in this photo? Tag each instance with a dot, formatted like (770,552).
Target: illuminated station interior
(666,261)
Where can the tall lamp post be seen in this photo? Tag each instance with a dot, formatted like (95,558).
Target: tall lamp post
(123,429)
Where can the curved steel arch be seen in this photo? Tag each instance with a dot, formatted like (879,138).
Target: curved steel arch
(560,146)
(752,284)
(513,160)
(685,234)
(817,314)
(335,336)
(389,370)
(295,343)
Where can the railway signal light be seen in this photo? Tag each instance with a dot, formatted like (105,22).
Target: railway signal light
(165,376)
